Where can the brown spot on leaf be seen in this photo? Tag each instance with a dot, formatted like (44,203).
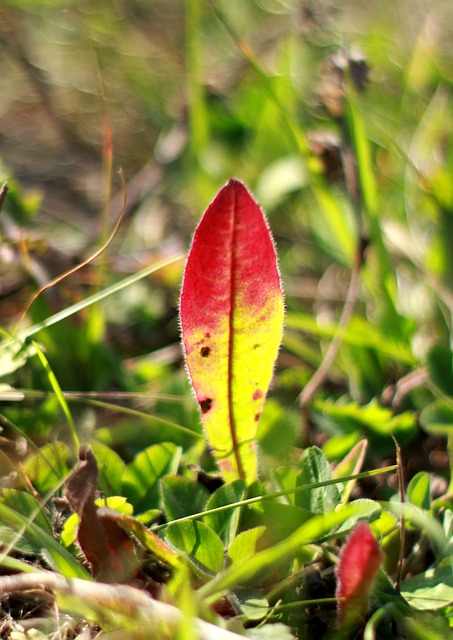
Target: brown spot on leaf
(205,405)
(257,394)
(255,346)
(257,416)
(205,351)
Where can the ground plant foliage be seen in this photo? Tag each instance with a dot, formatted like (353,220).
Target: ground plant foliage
(226,294)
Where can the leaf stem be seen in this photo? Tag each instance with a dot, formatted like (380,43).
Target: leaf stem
(277,494)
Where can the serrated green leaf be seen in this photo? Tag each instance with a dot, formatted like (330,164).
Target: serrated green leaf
(316,468)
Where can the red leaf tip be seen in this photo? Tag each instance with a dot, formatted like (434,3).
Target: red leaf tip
(357,568)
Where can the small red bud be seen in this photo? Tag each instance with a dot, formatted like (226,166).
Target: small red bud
(357,568)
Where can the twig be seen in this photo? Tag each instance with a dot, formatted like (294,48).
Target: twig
(400,475)
(86,262)
(393,395)
(116,599)
(348,309)
(3,192)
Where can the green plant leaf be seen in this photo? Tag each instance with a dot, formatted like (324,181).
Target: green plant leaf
(263,562)
(111,469)
(437,417)
(373,417)
(369,510)
(59,395)
(232,321)
(54,553)
(183,496)
(439,362)
(199,542)
(225,523)
(28,506)
(68,534)
(419,490)
(48,466)
(283,519)
(350,465)
(141,479)
(245,545)
(286,478)
(316,468)
(151,542)
(13,356)
(432,589)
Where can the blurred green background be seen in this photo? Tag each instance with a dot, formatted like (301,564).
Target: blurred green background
(338,117)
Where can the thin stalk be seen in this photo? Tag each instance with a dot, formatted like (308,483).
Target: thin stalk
(277,494)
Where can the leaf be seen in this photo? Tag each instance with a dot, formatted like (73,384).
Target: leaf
(439,363)
(141,478)
(68,534)
(430,590)
(373,417)
(245,545)
(232,321)
(286,478)
(283,519)
(26,505)
(111,468)
(48,466)
(151,541)
(437,417)
(57,557)
(351,465)
(13,356)
(225,523)
(182,497)
(419,490)
(199,542)
(107,547)
(29,507)
(370,510)
(263,562)
(316,468)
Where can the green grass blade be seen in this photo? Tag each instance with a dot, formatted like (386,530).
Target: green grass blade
(264,561)
(54,553)
(59,395)
(96,297)
(278,494)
